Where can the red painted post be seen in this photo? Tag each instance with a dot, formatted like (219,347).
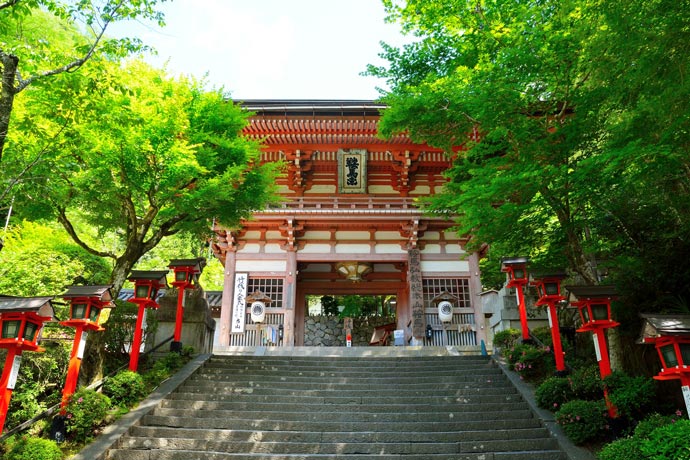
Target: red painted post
(556,338)
(9,375)
(74,365)
(179,314)
(522,308)
(136,339)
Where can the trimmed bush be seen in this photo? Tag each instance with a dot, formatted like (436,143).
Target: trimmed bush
(531,362)
(507,338)
(553,393)
(543,334)
(27,448)
(582,421)
(586,383)
(670,442)
(645,428)
(125,389)
(622,449)
(632,396)
(86,411)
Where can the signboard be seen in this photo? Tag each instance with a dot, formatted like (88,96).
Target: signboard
(596,345)
(14,372)
(416,292)
(352,171)
(82,345)
(686,395)
(239,303)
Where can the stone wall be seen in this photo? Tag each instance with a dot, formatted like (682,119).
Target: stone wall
(327,331)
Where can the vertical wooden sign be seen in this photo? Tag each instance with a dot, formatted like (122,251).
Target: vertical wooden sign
(239,303)
(416,292)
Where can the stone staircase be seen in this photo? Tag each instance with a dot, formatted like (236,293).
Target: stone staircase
(346,408)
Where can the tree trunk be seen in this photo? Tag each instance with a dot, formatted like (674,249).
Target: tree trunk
(8,65)
(94,354)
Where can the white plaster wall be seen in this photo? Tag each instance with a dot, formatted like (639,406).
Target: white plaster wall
(387,235)
(389,249)
(316,235)
(432,249)
(352,236)
(383,189)
(250,248)
(421,190)
(443,266)
(261,266)
(352,248)
(316,248)
(273,249)
(322,189)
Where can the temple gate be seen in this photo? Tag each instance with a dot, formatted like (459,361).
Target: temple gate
(348,223)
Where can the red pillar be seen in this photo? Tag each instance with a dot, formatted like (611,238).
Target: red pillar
(556,338)
(73,369)
(6,386)
(599,337)
(523,313)
(180,312)
(136,339)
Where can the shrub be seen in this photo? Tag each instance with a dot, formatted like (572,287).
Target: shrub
(543,334)
(632,396)
(170,362)
(533,362)
(507,338)
(154,377)
(622,449)
(553,392)
(582,421)
(27,448)
(645,428)
(86,411)
(125,389)
(668,442)
(586,383)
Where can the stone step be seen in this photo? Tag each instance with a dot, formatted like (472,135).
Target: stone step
(300,406)
(467,398)
(360,415)
(344,408)
(129,454)
(476,422)
(338,447)
(149,432)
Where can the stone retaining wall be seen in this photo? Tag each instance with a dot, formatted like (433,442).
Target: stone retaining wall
(327,331)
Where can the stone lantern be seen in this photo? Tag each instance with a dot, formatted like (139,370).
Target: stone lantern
(21,320)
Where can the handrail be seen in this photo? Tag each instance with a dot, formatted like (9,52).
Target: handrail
(51,410)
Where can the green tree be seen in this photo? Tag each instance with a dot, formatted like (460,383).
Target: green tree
(27,56)
(149,157)
(571,120)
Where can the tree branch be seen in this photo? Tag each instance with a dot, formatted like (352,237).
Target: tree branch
(67,224)
(8,4)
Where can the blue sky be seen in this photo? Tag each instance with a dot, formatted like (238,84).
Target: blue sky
(273,49)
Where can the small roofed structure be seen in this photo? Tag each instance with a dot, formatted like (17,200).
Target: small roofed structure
(657,326)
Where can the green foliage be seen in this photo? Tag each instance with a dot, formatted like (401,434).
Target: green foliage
(86,411)
(622,449)
(357,306)
(586,383)
(553,392)
(32,448)
(582,421)
(582,109)
(41,259)
(329,305)
(644,429)
(632,396)
(670,442)
(506,338)
(125,389)
(544,335)
(40,377)
(532,362)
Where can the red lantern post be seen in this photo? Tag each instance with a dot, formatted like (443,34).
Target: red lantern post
(86,303)
(146,287)
(516,268)
(187,272)
(594,305)
(21,320)
(549,289)
(671,336)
